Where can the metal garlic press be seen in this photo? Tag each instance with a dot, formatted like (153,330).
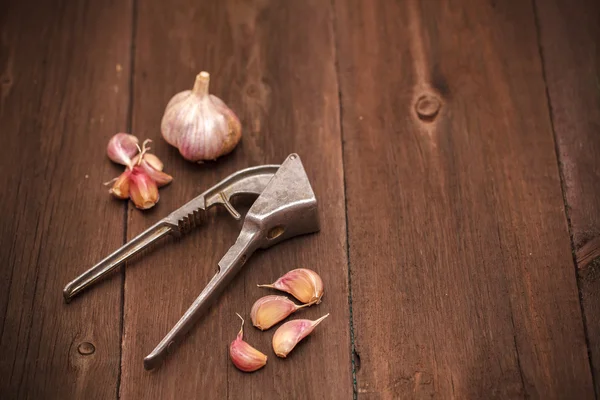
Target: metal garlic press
(286,207)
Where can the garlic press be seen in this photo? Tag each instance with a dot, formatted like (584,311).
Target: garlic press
(285,207)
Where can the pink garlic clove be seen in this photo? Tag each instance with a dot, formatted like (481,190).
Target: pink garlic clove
(245,357)
(302,283)
(158,176)
(270,310)
(143,191)
(152,159)
(288,335)
(122,147)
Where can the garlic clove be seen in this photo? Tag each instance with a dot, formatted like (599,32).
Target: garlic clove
(120,188)
(142,189)
(152,159)
(199,124)
(288,335)
(270,310)
(122,147)
(158,176)
(302,283)
(245,357)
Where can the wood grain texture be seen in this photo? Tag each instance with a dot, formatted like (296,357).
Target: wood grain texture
(461,270)
(278,74)
(569,36)
(64,92)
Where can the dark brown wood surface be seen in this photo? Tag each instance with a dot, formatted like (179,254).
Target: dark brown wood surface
(461,269)
(64,73)
(569,40)
(444,133)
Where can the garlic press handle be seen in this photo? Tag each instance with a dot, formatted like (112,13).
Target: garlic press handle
(251,180)
(229,266)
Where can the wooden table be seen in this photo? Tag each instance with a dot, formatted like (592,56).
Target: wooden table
(454,148)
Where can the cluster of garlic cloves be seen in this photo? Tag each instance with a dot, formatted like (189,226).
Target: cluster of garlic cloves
(199,124)
(305,285)
(143,174)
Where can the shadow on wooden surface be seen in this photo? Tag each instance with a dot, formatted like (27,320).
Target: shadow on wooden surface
(569,37)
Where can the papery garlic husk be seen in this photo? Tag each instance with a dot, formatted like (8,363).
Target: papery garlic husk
(302,283)
(122,147)
(288,335)
(245,357)
(270,310)
(143,191)
(120,188)
(199,124)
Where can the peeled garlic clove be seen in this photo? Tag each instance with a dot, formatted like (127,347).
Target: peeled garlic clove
(142,189)
(288,335)
(199,124)
(270,310)
(122,147)
(244,356)
(157,176)
(302,283)
(120,188)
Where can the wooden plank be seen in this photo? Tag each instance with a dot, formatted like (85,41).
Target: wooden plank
(569,33)
(278,74)
(64,92)
(461,270)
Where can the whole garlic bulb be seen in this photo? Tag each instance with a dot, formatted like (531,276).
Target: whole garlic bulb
(199,124)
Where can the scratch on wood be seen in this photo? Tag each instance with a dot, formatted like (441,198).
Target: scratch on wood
(588,252)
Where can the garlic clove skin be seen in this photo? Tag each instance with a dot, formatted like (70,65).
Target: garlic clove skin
(288,335)
(302,283)
(199,124)
(245,357)
(154,161)
(122,147)
(151,159)
(157,176)
(270,310)
(142,189)
(120,188)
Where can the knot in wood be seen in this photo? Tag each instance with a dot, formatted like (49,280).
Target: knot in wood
(427,107)
(86,348)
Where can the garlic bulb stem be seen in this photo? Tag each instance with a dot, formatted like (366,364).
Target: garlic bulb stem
(201,84)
